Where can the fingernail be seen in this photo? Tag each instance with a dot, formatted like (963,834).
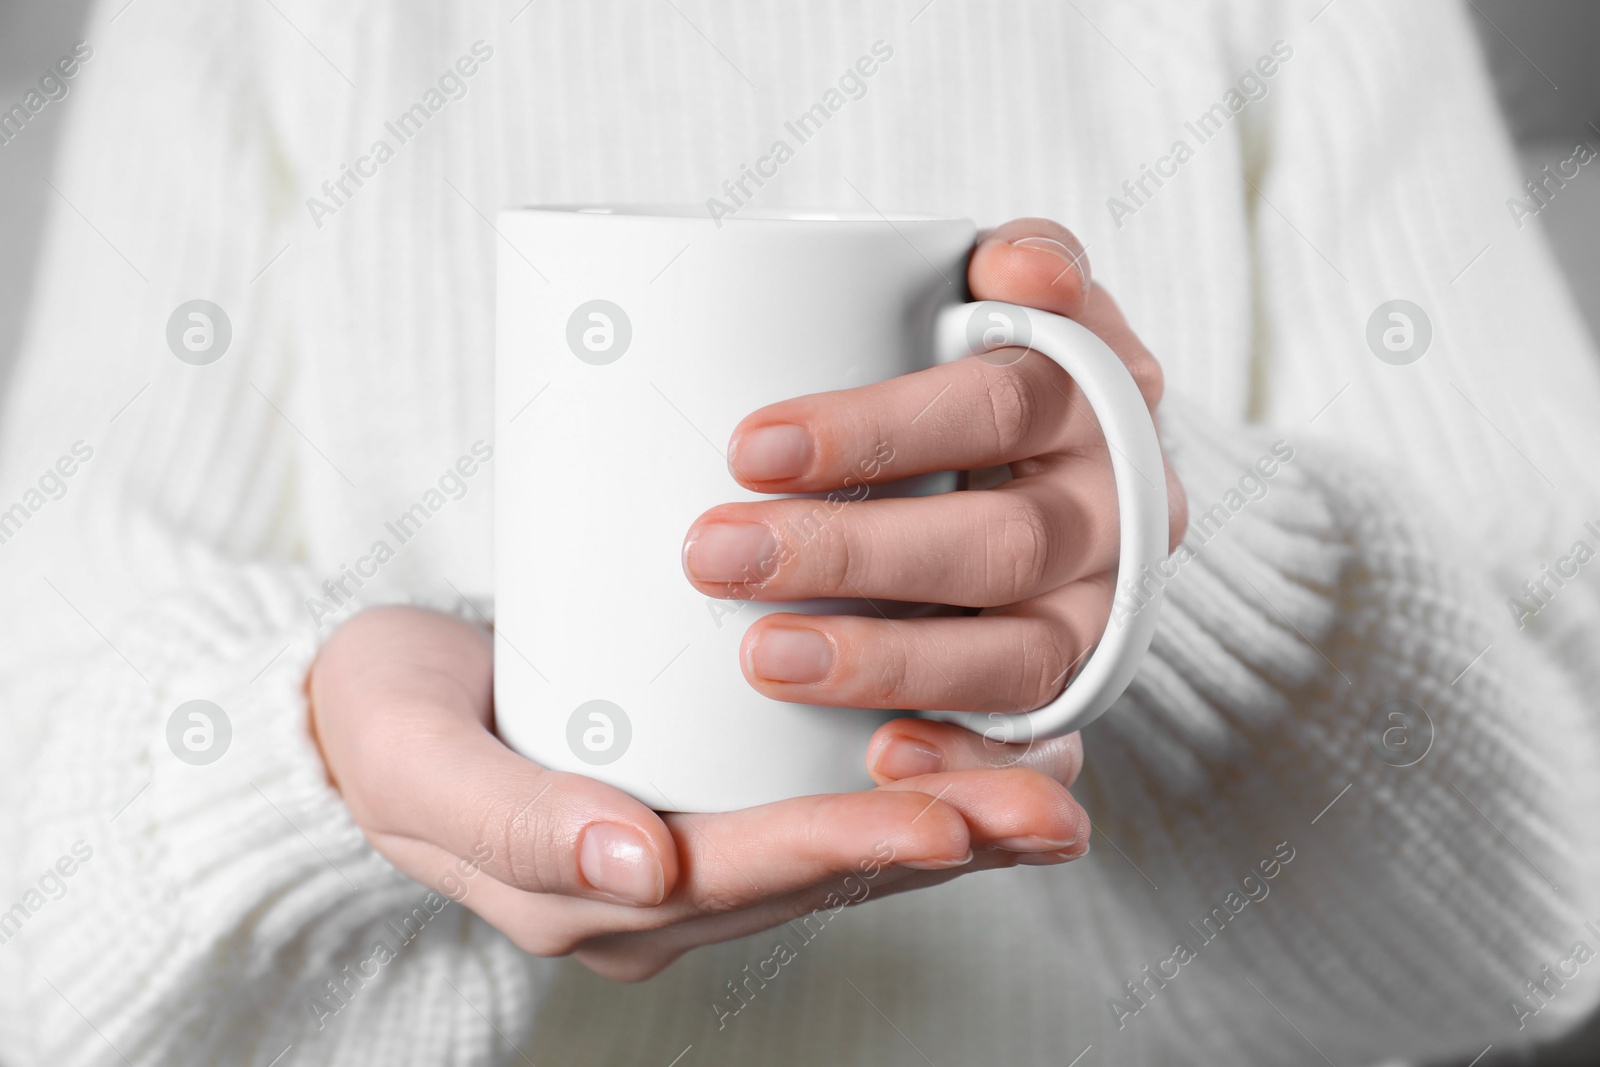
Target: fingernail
(1060,251)
(938,865)
(1034,843)
(904,758)
(617,861)
(789,654)
(769,453)
(1050,859)
(731,552)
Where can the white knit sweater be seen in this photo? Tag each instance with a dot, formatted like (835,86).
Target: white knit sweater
(1406,907)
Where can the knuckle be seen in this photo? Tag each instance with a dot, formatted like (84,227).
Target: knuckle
(837,548)
(1017,560)
(1148,376)
(721,898)
(1048,659)
(716,885)
(1014,406)
(522,839)
(891,668)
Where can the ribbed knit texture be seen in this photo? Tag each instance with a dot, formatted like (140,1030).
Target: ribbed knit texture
(218,899)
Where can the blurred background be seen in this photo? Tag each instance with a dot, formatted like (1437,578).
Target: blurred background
(1541,52)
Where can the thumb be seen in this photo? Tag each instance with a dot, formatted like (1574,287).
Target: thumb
(537,830)
(401,705)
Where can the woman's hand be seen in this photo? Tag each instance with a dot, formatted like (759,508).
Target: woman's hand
(401,707)
(402,699)
(1037,554)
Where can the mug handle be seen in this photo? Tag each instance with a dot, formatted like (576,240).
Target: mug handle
(1141,483)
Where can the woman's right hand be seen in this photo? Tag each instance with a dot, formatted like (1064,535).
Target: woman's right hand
(401,705)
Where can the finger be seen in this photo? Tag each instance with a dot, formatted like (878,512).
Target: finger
(540,924)
(740,859)
(1177,507)
(534,829)
(1104,317)
(1016,809)
(737,859)
(419,763)
(956,416)
(1014,816)
(1016,658)
(1033,262)
(909,748)
(1053,525)
(750,870)
(728,863)
(745,859)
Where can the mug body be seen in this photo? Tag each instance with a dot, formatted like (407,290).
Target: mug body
(630,342)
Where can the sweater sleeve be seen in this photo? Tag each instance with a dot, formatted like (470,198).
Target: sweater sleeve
(192,889)
(1339,671)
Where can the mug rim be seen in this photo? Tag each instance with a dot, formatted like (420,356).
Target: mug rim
(667,212)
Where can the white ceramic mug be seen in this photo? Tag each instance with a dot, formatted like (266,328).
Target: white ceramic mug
(630,342)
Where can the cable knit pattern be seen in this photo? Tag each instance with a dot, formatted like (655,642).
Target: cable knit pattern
(220,905)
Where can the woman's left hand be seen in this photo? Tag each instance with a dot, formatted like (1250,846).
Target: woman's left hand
(1037,554)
